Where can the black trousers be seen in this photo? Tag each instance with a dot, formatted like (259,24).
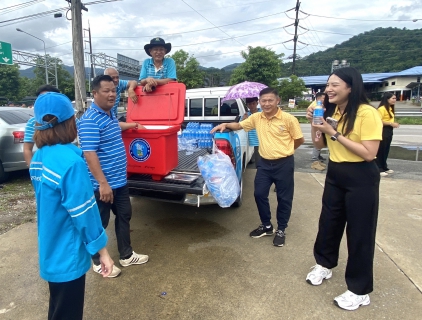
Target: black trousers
(350,200)
(384,148)
(280,172)
(122,209)
(67,299)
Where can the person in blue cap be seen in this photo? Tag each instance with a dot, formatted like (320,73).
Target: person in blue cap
(69,224)
(157,70)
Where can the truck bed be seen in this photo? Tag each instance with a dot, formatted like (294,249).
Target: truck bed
(174,191)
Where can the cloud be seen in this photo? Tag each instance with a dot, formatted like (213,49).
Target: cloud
(126,26)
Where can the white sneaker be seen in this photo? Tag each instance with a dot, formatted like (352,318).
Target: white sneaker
(114,273)
(318,274)
(134,259)
(389,171)
(383,174)
(351,301)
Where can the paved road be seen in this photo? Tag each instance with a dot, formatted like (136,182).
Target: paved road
(209,268)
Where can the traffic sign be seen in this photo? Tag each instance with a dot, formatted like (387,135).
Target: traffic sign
(6,53)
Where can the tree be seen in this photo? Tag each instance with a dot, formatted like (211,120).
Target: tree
(261,65)
(10,85)
(291,87)
(187,68)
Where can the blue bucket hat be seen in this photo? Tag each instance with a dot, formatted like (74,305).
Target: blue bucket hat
(55,104)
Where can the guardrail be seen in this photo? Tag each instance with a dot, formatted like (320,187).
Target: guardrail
(397,113)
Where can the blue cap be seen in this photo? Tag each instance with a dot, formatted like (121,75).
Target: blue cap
(55,104)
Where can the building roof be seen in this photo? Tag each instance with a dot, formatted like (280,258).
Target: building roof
(367,77)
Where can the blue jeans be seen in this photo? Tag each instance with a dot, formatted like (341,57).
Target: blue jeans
(122,209)
(281,173)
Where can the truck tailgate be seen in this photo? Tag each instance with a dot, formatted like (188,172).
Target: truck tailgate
(144,185)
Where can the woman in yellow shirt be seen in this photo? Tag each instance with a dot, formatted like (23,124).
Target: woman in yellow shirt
(351,191)
(386,111)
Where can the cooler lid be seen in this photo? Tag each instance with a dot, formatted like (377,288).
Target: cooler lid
(165,105)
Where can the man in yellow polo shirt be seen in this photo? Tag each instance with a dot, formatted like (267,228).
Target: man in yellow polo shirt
(279,134)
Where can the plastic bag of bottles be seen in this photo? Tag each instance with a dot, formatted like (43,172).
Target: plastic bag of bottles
(220,178)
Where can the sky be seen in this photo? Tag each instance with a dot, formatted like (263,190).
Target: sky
(214,31)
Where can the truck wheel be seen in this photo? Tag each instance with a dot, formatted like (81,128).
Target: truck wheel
(3,175)
(239,199)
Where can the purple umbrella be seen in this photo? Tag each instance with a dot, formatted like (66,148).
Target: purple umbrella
(244,89)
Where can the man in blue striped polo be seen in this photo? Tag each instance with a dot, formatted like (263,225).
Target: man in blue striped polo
(253,106)
(101,141)
(121,85)
(28,143)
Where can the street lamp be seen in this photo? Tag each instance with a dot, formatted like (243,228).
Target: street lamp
(45,53)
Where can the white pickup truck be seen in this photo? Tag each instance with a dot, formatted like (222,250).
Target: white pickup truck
(204,106)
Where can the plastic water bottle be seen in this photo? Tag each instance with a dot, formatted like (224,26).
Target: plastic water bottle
(318,113)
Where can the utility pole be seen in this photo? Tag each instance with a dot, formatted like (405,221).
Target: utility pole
(295,37)
(78,55)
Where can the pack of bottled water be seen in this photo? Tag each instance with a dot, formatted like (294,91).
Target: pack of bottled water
(220,177)
(196,136)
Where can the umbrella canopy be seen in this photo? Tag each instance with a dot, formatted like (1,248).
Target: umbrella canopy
(244,89)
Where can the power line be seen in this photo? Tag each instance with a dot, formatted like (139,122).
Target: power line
(190,31)
(21,4)
(42,14)
(211,22)
(211,41)
(371,20)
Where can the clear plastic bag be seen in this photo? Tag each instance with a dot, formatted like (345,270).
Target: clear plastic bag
(220,178)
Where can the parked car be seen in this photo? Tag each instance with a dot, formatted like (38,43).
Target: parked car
(12,129)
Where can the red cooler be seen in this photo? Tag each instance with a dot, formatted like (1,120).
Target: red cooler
(154,150)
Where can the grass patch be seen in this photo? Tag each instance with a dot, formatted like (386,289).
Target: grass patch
(409,120)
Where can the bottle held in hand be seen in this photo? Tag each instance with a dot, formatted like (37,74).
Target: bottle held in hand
(318,114)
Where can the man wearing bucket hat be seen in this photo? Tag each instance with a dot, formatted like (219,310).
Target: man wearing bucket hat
(158,69)
(69,224)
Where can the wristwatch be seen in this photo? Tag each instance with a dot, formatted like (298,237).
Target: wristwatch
(335,136)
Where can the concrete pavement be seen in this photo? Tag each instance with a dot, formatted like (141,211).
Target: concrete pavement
(209,268)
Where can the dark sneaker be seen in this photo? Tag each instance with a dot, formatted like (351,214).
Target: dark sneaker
(279,238)
(262,231)
(321,158)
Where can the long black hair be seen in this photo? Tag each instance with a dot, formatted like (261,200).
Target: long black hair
(356,97)
(384,103)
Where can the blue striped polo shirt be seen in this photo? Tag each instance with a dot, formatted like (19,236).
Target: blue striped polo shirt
(253,137)
(29,130)
(122,86)
(101,133)
(167,70)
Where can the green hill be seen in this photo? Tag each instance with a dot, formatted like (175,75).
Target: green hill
(379,50)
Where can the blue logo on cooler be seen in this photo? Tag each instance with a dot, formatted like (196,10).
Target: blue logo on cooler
(140,150)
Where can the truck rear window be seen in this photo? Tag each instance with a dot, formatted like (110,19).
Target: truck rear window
(211,107)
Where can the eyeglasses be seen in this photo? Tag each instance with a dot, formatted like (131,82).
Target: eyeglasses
(115,77)
(158,49)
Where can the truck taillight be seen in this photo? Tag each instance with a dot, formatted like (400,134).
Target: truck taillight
(18,136)
(225,146)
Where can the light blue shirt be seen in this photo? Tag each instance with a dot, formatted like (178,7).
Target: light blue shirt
(29,131)
(101,133)
(167,70)
(253,136)
(69,224)
(122,86)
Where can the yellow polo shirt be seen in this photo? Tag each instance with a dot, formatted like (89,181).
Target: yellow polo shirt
(385,116)
(368,126)
(276,135)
